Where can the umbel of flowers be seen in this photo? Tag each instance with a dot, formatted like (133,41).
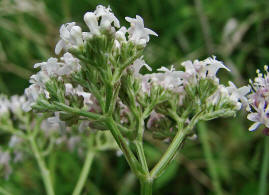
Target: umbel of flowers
(97,79)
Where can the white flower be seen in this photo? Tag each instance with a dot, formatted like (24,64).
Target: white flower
(4,104)
(32,93)
(121,34)
(91,21)
(207,68)
(69,66)
(213,65)
(39,78)
(51,66)
(137,32)
(107,17)
(16,103)
(87,97)
(169,79)
(71,37)
(236,94)
(138,64)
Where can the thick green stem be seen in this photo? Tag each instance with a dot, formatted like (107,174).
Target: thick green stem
(141,155)
(173,147)
(146,187)
(168,155)
(130,157)
(84,172)
(264,170)
(209,158)
(42,166)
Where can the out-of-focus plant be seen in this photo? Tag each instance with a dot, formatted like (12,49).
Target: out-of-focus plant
(37,135)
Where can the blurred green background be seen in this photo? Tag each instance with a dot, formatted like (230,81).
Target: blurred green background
(236,31)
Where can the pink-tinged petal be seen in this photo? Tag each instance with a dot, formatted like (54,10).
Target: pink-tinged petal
(254,126)
(253,117)
(151,32)
(59,46)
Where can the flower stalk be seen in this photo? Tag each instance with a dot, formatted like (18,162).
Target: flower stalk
(84,172)
(45,173)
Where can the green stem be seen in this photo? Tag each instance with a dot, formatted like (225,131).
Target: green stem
(128,154)
(168,155)
(42,166)
(264,171)
(84,172)
(146,187)
(209,158)
(141,155)
(173,147)
(4,192)
(78,111)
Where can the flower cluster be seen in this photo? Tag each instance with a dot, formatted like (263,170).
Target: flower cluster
(258,100)
(102,25)
(194,73)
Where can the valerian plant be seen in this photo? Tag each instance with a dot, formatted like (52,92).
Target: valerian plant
(96,83)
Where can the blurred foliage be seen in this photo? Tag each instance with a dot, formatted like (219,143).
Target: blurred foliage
(235,31)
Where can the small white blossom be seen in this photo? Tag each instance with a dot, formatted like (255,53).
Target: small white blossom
(87,97)
(207,68)
(16,102)
(138,64)
(91,21)
(32,93)
(168,79)
(71,37)
(4,104)
(137,32)
(107,17)
(121,34)
(236,94)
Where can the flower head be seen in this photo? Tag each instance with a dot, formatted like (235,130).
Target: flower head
(259,100)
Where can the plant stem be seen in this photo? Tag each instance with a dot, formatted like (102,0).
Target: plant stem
(173,147)
(209,158)
(168,155)
(264,170)
(128,154)
(4,192)
(146,187)
(84,172)
(78,111)
(141,156)
(42,166)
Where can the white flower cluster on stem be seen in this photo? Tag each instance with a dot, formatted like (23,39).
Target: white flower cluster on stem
(177,81)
